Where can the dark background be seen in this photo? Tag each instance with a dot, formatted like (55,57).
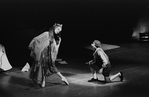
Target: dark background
(110,21)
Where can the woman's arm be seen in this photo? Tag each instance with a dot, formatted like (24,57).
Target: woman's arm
(58,42)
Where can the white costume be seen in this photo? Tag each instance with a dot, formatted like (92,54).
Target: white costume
(4,63)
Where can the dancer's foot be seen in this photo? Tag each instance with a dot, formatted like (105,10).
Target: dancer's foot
(121,76)
(65,81)
(43,84)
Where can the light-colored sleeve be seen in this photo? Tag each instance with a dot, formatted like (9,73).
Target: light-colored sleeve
(31,43)
(103,57)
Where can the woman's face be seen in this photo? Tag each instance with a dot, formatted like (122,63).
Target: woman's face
(57,30)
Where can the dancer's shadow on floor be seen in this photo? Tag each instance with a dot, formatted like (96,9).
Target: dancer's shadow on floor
(37,86)
(67,74)
(103,82)
(97,81)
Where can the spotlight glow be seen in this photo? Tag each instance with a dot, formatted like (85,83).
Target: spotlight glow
(82,79)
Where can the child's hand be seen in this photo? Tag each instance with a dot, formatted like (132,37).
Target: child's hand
(90,62)
(104,65)
(101,70)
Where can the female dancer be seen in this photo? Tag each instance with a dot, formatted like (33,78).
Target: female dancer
(44,50)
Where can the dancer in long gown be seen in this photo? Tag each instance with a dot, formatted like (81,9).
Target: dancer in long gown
(44,50)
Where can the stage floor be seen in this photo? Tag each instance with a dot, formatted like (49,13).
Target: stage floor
(130,58)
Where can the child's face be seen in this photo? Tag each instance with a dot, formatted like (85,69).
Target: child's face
(93,45)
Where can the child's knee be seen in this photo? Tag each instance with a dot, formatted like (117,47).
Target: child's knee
(107,79)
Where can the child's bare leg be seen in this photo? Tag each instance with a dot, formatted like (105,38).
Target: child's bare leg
(114,76)
(94,73)
(118,75)
(111,78)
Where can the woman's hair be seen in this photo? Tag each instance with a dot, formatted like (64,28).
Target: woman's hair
(58,35)
(52,31)
(57,25)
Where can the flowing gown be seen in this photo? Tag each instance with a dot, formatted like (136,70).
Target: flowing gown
(44,52)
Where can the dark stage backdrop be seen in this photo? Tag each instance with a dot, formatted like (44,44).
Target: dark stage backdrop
(83,21)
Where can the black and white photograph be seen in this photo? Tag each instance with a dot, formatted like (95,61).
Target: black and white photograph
(74,48)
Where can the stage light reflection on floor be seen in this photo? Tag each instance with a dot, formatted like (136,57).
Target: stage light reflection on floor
(5,81)
(82,79)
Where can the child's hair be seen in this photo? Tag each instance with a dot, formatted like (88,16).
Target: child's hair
(97,43)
